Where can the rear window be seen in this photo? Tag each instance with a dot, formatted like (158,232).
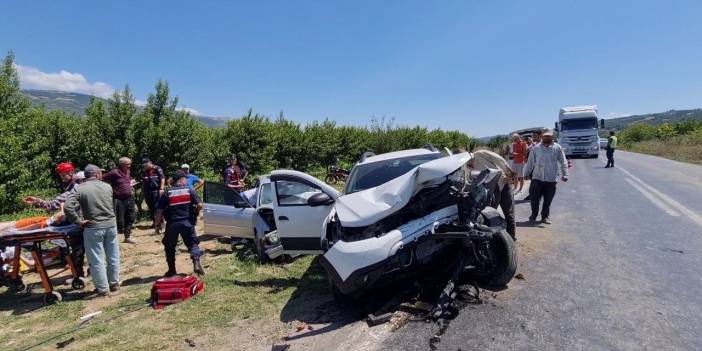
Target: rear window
(366,176)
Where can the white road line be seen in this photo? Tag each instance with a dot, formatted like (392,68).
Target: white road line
(672,203)
(653,199)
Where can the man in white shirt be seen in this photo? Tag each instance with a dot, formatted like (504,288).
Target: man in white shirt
(546,161)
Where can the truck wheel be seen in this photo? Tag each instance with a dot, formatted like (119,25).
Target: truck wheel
(506,255)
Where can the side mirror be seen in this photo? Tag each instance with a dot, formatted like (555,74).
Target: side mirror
(602,124)
(320,199)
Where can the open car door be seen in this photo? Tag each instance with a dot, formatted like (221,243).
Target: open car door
(226,212)
(300,221)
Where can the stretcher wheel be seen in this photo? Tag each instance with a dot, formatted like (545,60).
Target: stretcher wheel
(18,287)
(52,298)
(78,283)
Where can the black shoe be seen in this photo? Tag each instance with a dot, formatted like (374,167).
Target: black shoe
(532,220)
(170,273)
(197,267)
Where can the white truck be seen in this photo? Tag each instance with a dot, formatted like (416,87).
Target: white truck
(577,130)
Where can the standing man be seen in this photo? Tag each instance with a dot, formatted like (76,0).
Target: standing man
(97,218)
(235,174)
(153,184)
(546,160)
(611,146)
(66,172)
(125,207)
(484,159)
(519,152)
(194,182)
(180,206)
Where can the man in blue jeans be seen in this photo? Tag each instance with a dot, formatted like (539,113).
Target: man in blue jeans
(90,205)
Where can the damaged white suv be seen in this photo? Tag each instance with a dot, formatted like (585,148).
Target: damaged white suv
(400,212)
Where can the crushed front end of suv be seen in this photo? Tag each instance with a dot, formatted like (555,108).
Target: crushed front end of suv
(434,215)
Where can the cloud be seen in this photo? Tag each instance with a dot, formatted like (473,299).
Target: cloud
(191,110)
(33,78)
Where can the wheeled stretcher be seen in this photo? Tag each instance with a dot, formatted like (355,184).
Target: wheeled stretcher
(32,240)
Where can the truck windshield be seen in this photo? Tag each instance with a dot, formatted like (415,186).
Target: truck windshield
(580,123)
(366,176)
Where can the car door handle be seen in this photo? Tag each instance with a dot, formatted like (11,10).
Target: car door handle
(283,218)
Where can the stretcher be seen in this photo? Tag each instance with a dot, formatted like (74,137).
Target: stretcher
(32,241)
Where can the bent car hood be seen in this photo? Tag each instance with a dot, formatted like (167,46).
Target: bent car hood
(371,205)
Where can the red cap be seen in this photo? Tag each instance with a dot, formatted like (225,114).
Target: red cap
(65,167)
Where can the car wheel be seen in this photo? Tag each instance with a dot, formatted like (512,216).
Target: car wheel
(260,249)
(506,256)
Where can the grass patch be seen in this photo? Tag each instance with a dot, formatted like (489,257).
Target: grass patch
(685,148)
(237,292)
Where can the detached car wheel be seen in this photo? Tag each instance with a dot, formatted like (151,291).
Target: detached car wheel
(506,256)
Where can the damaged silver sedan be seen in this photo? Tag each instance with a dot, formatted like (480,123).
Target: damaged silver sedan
(401,213)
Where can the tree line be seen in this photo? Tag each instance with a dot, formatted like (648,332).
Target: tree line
(33,140)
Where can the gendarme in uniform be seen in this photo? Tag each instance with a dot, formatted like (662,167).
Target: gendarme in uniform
(179,207)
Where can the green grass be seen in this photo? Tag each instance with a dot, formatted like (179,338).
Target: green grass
(237,291)
(686,148)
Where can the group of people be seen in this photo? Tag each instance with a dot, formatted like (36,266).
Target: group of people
(539,158)
(103,205)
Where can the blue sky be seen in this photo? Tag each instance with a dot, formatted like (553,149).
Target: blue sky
(483,67)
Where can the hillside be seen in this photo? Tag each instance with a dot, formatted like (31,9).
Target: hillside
(76,103)
(671,116)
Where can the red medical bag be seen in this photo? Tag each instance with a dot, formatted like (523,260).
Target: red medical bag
(167,291)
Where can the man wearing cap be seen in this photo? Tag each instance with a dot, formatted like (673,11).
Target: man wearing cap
(235,174)
(66,172)
(125,208)
(192,181)
(546,161)
(153,184)
(90,205)
(179,207)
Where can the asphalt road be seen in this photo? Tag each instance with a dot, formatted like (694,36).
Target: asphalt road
(620,268)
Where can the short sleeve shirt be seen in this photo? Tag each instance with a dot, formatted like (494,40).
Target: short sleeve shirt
(151,179)
(192,180)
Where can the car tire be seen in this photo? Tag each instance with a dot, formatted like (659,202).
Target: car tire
(339,296)
(506,254)
(260,249)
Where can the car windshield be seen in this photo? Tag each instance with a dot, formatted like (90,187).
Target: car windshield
(580,123)
(366,176)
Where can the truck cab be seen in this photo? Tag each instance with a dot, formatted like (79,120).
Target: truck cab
(577,131)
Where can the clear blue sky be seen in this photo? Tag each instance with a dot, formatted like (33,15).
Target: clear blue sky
(483,67)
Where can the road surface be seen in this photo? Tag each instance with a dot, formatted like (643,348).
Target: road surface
(620,268)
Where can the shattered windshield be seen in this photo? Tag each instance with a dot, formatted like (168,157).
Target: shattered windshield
(366,176)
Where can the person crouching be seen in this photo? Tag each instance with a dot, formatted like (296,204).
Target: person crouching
(179,207)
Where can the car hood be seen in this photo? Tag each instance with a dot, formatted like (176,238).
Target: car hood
(371,205)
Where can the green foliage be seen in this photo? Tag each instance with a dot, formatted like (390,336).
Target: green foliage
(639,132)
(33,140)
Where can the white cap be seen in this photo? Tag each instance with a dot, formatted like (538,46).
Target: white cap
(80,175)
(185,165)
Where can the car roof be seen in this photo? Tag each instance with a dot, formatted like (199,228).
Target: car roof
(398,154)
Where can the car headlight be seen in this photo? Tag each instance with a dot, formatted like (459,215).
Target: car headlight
(273,237)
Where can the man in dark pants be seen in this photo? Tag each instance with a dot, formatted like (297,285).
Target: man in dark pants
(66,172)
(153,184)
(611,146)
(180,207)
(484,159)
(123,192)
(545,162)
